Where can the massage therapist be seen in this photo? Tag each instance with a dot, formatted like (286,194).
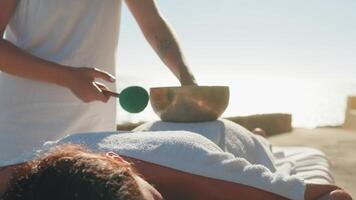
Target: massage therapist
(56,56)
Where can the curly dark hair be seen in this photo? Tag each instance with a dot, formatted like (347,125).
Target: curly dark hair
(70,172)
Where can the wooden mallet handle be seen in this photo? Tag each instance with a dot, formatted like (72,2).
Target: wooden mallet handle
(110,93)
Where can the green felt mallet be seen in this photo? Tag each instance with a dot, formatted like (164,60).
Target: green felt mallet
(133,99)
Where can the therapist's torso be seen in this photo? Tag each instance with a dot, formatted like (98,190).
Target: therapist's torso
(80,33)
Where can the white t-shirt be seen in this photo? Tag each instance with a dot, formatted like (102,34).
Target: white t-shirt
(78,33)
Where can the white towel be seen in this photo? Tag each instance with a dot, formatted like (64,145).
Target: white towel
(191,153)
(228,135)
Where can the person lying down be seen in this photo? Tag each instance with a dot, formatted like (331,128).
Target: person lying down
(71,172)
(180,164)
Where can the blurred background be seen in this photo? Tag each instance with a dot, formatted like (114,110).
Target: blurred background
(277,56)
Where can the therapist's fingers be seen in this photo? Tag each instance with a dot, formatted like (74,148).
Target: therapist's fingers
(82,83)
(339,195)
(336,195)
(101,96)
(97,73)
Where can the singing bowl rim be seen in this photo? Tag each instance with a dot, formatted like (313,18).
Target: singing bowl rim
(191,88)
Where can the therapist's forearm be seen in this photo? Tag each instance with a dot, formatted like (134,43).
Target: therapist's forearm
(161,38)
(165,43)
(18,62)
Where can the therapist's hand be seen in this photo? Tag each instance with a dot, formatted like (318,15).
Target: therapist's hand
(82,82)
(336,195)
(325,192)
(187,78)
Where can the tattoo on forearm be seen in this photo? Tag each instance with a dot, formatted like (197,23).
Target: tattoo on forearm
(163,45)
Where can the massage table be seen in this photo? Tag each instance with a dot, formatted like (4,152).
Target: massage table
(231,154)
(307,163)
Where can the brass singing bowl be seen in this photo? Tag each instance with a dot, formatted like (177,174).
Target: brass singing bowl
(189,103)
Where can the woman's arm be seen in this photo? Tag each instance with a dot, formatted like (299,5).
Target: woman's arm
(17,62)
(161,37)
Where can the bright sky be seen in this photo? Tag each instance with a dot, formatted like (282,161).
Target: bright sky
(236,39)
(249,36)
